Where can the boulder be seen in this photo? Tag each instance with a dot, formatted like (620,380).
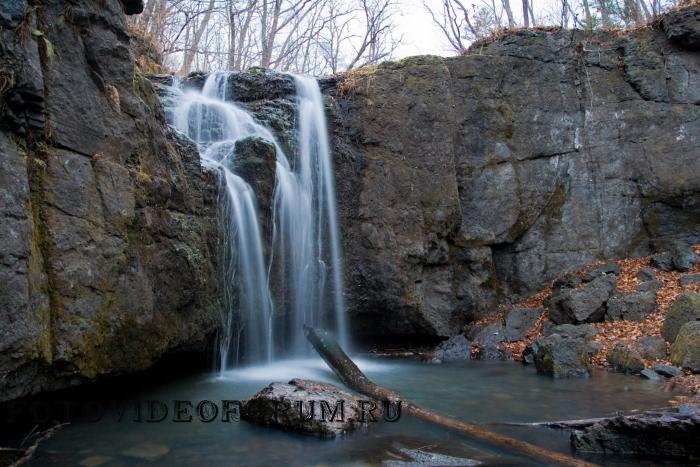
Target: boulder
(685,351)
(519,321)
(686,308)
(563,354)
(650,374)
(667,371)
(666,435)
(633,306)
(456,348)
(581,305)
(309,407)
(625,360)
(687,279)
(651,347)
(649,286)
(646,275)
(489,342)
(678,257)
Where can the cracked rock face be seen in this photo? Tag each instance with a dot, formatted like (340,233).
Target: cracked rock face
(467,181)
(106,217)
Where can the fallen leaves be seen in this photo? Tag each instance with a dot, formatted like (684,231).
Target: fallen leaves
(611,332)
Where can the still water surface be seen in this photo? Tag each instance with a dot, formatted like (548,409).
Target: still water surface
(479,392)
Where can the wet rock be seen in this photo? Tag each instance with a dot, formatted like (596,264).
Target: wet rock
(581,305)
(146,451)
(278,405)
(519,321)
(669,435)
(651,347)
(566,353)
(683,27)
(687,279)
(489,342)
(418,457)
(686,308)
(646,274)
(650,374)
(685,351)
(625,360)
(456,348)
(255,162)
(633,306)
(668,371)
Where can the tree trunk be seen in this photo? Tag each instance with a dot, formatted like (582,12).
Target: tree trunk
(353,377)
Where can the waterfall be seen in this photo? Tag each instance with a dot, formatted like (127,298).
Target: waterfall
(305,261)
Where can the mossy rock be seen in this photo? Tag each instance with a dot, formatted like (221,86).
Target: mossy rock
(625,360)
(685,351)
(686,308)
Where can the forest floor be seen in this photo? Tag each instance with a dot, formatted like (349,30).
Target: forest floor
(611,332)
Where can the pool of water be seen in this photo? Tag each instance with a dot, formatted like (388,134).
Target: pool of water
(480,392)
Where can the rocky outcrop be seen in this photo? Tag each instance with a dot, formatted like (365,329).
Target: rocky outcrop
(471,180)
(106,218)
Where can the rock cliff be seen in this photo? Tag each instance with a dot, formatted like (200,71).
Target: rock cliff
(467,181)
(106,221)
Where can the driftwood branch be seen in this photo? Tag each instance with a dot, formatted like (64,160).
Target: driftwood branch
(39,438)
(353,377)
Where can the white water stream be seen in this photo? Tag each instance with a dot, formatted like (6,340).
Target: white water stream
(305,260)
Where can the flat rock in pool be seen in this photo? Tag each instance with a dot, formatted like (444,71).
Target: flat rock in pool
(420,457)
(310,407)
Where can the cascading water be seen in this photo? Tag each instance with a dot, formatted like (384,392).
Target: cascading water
(306,261)
(306,239)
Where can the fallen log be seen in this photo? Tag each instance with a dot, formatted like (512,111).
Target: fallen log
(355,379)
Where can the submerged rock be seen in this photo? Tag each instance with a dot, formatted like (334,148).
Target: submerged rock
(685,351)
(686,308)
(310,407)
